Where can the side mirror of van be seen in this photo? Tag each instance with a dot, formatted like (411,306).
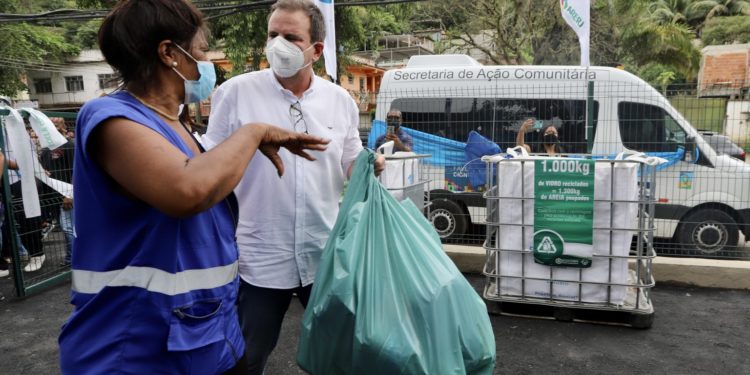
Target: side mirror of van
(689,149)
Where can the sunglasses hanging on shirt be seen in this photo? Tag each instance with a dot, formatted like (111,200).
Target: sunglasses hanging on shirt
(298,118)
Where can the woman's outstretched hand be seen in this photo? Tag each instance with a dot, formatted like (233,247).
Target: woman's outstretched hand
(275,138)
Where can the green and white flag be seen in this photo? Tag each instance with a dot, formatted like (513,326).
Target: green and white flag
(563,212)
(576,14)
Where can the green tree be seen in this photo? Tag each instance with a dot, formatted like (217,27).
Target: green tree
(350,35)
(644,35)
(243,36)
(658,75)
(657,41)
(23,44)
(502,30)
(517,32)
(668,44)
(375,22)
(669,11)
(727,30)
(664,79)
(96,4)
(559,44)
(83,34)
(701,11)
(695,13)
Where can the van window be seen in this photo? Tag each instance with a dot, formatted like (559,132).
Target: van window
(497,119)
(451,118)
(568,116)
(648,128)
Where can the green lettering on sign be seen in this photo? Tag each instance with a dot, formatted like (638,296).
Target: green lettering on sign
(563,212)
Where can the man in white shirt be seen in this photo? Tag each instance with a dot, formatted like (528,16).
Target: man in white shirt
(284,222)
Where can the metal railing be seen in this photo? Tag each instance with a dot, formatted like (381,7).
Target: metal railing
(703,192)
(36,249)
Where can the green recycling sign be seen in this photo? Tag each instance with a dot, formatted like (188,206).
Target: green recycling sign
(563,212)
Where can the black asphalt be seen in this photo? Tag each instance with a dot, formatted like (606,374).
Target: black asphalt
(696,331)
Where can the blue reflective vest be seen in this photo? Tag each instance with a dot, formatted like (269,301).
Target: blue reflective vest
(152,293)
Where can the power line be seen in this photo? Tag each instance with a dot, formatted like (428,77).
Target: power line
(45,64)
(376,2)
(224,9)
(42,63)
(28,65)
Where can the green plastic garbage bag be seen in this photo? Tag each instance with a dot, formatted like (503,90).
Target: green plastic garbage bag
(386,299)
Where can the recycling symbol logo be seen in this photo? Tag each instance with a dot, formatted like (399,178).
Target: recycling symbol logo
(546,246)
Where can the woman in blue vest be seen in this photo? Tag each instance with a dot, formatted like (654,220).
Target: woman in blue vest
(155,261)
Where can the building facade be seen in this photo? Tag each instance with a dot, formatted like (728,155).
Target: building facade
(725,72)
(68,86)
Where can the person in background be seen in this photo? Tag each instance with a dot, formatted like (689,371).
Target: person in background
(28,233)
(154,266)
(8,235)
(61,127)
(401,140)
(550,139)
(59,164)
(34,140)
(285,222)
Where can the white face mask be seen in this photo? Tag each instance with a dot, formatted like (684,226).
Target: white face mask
(285,58)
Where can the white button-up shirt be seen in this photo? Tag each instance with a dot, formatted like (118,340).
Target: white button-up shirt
(284,222)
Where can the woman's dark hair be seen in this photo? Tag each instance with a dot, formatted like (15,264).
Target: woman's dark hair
(130,34)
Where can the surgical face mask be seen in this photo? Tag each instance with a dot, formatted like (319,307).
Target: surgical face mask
(285,58)
(195,91)
(550,139)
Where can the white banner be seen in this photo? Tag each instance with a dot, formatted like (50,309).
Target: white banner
(45,130)
(21,148)
(577,14)
(329,45)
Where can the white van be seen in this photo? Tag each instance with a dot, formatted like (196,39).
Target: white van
(703,198)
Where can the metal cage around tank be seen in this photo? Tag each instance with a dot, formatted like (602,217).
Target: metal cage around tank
(402,178)
(619,295)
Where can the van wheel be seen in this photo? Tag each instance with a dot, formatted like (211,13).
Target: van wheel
(709,232)
(448,218)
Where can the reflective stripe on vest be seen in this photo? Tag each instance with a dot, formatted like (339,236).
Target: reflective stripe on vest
(154,279)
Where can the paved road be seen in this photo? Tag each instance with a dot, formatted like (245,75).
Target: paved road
(696,331)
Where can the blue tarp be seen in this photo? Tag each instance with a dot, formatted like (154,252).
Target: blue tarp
(476,147)
(443,151)
(449,153)
(670,157)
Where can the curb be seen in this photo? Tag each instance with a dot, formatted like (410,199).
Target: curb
(706,273)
